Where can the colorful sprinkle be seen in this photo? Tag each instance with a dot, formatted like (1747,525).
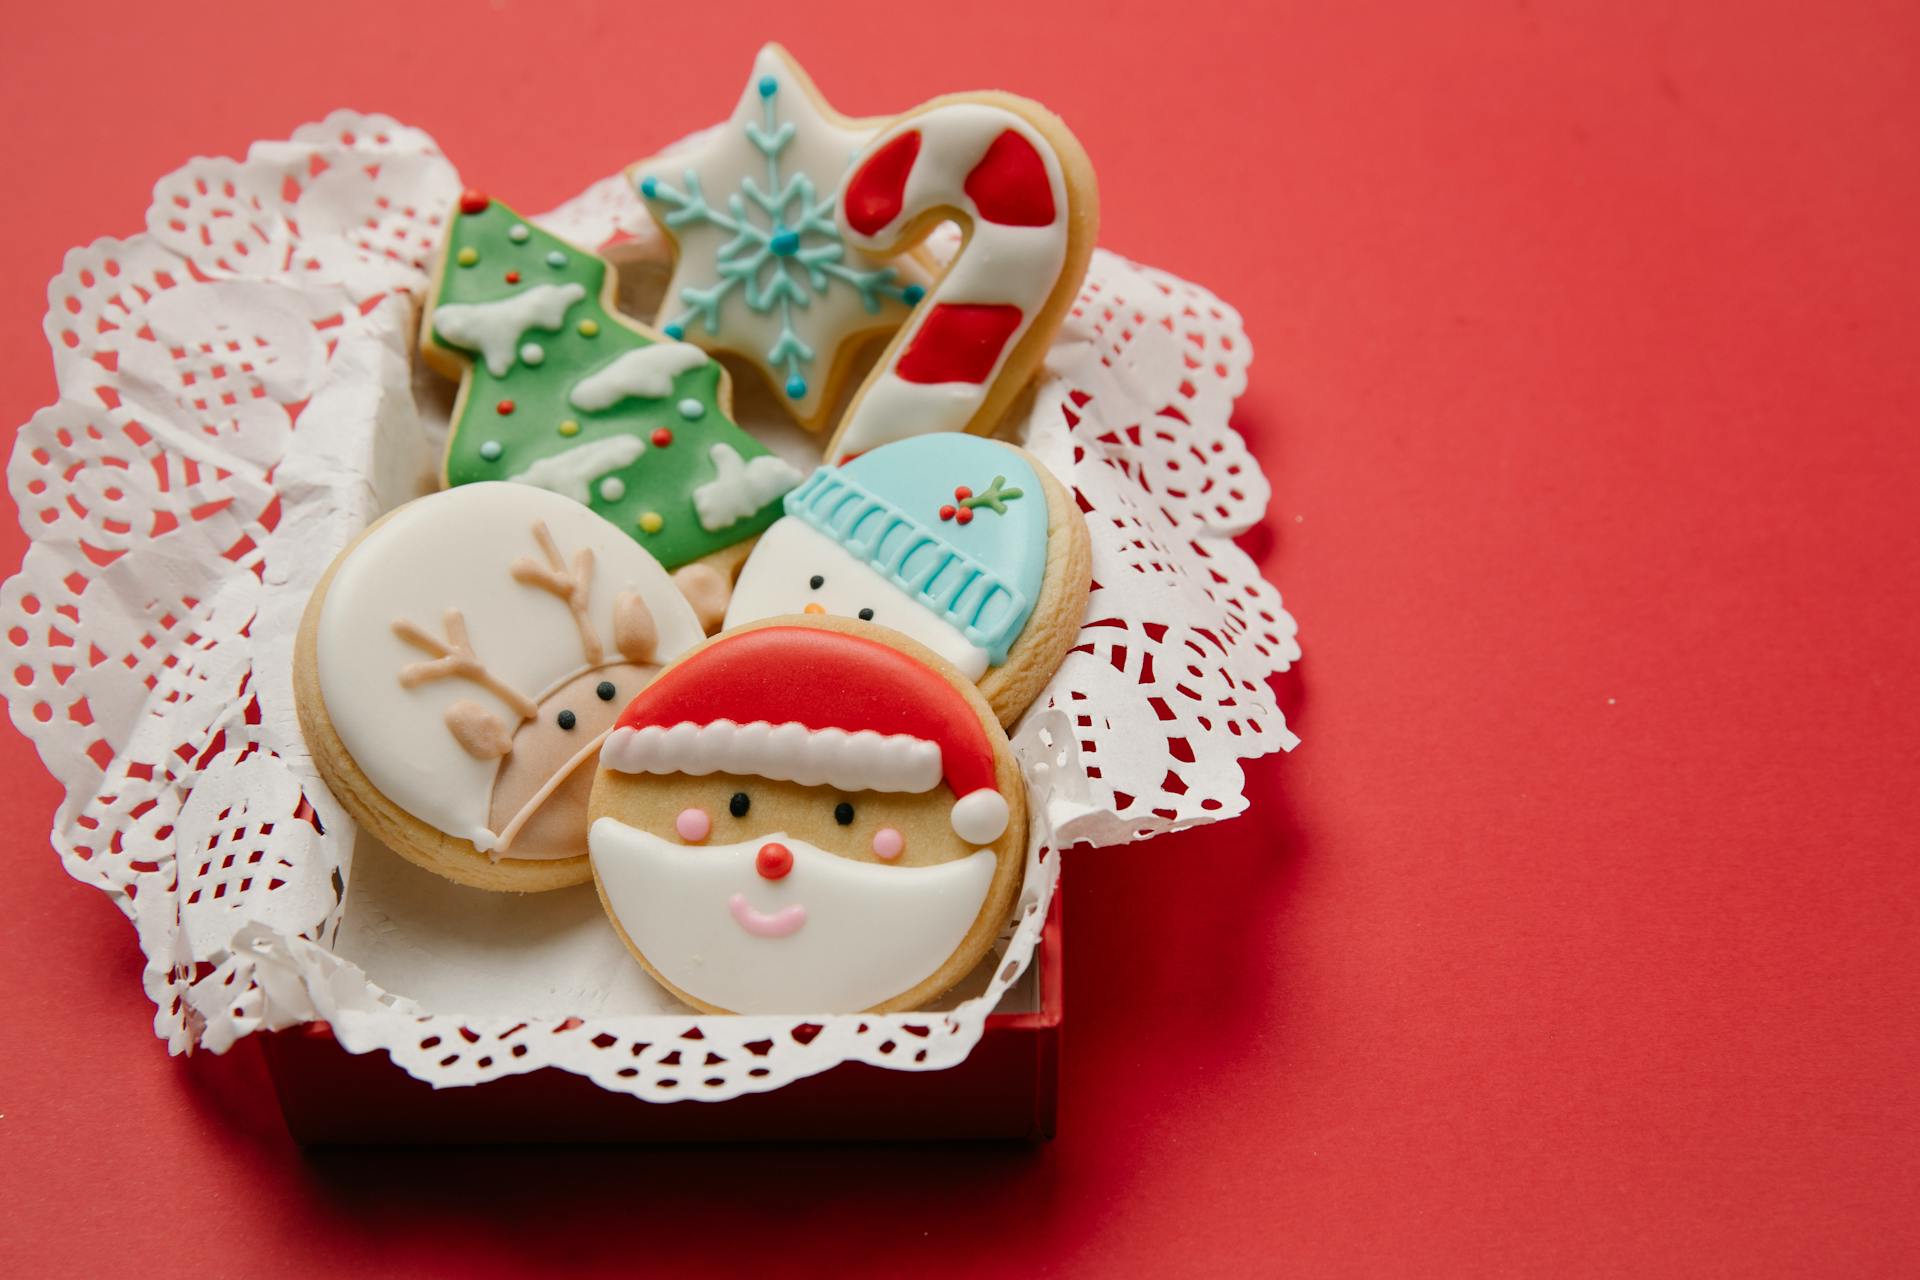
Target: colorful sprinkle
(467,256)
(532,353)
(513,277)
(491,450)
(662,437)
(768,86)
(796,388)
(556,259)
(912,294)
(962,493)
(589,328)
(504,408)
(650,522)
(692,410)
(518,233)
(612,489)
(946,512)
(568,427)
(649,187)
(472,201)
(675,331)
(964,515)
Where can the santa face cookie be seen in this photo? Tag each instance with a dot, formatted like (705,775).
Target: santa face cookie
(1012,174)
(458,666)
(964,544)
(761,267)
(808,816)
(561,392)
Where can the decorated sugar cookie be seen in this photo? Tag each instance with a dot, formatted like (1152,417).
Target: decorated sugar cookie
(1012,174)
(761,267)
(761,263)
(849,840)
(561,392)
(460,663)
(964,544)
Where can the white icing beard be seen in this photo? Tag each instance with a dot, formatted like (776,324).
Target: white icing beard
(776,580)
(862,933)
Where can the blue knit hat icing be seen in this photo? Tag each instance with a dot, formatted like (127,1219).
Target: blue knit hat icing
(983,576)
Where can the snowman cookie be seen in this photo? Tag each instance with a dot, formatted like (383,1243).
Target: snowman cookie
(808,816)
(460,663)
(965,544)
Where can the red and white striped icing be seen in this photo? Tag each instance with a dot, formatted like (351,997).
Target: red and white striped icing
(994,166)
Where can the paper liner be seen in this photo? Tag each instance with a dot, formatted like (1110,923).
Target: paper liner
(238,397)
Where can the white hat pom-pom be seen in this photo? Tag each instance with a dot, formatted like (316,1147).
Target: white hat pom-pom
(980,817)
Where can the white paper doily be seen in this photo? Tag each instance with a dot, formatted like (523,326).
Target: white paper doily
(237,399)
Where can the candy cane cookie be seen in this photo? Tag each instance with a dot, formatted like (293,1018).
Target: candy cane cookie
(1017,180)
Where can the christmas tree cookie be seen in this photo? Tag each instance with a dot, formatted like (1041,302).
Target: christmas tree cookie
(560,391)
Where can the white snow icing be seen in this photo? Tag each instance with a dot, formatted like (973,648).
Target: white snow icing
(571,474)
(494,329)
(647,372)
(739,488)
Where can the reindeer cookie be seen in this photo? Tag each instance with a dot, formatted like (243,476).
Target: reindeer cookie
(458,666)
(808,816)
(965,544)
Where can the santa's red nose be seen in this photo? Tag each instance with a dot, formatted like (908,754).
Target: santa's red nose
(774,860)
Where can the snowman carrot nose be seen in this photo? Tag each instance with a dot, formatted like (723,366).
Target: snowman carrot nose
(815,608)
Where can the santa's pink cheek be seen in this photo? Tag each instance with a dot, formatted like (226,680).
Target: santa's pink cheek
(888,844)
(693,825)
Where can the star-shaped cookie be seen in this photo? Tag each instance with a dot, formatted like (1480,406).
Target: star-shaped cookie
(760,268)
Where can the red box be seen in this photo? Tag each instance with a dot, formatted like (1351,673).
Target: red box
(1006,1088)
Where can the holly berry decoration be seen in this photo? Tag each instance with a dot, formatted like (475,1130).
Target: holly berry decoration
(561,391)
(995,499)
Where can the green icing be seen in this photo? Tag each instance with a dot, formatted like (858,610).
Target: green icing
(489,445)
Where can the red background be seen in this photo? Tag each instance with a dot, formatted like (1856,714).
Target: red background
(1580,935)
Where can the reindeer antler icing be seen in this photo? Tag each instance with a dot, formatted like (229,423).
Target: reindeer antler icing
(571,583)
(456,661)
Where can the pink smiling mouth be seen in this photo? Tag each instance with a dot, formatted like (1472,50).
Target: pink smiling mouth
(760,924)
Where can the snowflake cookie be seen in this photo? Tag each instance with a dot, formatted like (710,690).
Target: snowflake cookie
(762,267)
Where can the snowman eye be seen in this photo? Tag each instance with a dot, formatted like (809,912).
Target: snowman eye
(843,814)
(866,615)
(606,690)
(565,719)
(739,805)
(816,582)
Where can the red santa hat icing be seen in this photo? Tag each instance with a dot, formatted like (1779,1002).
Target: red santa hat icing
(816,707)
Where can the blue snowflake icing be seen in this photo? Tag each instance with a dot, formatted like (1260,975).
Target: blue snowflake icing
(785,250)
